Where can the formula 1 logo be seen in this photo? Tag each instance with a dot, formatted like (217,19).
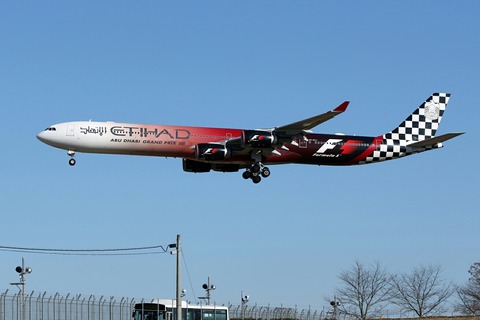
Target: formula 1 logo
(328,145)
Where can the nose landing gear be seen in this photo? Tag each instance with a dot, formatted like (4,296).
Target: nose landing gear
(72,160)
(255,172)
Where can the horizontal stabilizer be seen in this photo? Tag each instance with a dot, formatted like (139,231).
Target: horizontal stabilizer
(433,141)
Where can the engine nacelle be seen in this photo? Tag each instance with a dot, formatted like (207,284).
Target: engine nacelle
(211,152)
(258,139)
(225,167)
(196,166)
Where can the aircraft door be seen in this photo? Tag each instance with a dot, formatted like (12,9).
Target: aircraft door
(70,130)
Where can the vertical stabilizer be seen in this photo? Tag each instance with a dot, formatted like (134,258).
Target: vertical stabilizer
(423,123)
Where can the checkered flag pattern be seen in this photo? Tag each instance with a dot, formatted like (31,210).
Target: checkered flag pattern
(422,124)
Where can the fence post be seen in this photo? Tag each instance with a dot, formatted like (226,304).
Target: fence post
(132,305)
(66,306)
(42,305)
(30,306)
(71,307)
(88,306)
(17,297)
(81,309)
(3,298)
(121,308)
(112,303)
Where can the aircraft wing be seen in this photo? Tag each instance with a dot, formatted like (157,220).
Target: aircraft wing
(312,122)
(433,141)
(287,132)
(284,133)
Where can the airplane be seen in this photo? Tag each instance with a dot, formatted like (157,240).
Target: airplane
(204,149)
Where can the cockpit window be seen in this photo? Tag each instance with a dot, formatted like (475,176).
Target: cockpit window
(51,129)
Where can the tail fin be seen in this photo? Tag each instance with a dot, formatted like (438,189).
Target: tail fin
(423,123)
(415,134)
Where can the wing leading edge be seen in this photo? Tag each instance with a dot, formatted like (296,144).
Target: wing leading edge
(307,124)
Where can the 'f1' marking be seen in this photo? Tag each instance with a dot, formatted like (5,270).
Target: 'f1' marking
(330,144)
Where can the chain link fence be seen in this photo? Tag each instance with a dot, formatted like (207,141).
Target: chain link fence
(47,306)
(278,313)
(43,306)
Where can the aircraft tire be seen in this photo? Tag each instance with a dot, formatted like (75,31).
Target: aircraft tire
(246,175)
(72,162)
(265,172)
(256,179)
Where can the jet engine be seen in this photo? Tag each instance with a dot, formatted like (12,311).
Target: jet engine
(258,139)
(211,152)
(196,166)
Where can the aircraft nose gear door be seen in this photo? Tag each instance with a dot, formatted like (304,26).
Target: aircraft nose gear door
(72,161)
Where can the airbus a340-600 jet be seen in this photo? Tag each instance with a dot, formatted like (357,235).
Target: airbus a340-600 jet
(230,150)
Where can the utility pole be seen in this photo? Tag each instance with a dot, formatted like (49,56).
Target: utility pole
(177,251)
(179,290)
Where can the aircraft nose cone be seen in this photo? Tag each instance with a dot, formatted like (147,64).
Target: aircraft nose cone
(41,136)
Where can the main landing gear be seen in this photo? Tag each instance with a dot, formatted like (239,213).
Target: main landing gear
(255,172)
(72,159)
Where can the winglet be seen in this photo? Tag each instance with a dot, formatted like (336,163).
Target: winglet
(342,107)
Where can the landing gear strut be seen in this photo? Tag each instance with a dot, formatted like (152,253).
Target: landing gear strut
(72,159)
(255,172)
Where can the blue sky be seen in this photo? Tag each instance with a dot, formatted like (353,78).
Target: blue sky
(240,64)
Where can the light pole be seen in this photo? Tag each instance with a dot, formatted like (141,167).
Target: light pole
(245,299)
(208,287)
(22,270)
(335,304)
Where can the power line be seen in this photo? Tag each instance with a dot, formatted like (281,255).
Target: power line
(189,278)
(158,249)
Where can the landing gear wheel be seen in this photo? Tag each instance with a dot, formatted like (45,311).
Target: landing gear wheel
(256,179)
(256,171)
(265,172)
(72,162)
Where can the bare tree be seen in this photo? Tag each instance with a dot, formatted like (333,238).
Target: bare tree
(365,291)
(422,291)
(469,294)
